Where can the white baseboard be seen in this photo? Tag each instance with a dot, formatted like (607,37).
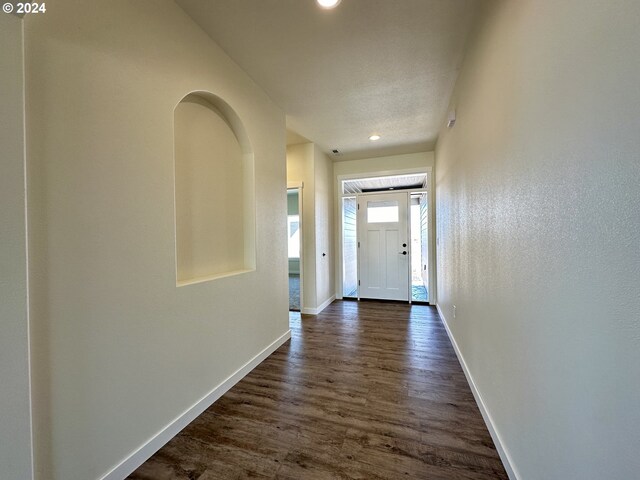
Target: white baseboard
(316,311)
(488,420)
(137,458)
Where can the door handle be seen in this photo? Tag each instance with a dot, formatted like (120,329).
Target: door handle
(404,252)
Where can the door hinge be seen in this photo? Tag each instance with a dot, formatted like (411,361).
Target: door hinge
(358,206)
(358,282)
(358,244)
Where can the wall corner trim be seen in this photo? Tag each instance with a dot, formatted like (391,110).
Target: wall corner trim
(488,420)
(316,311)
(142,454)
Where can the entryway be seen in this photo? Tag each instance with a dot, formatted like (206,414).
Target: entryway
(385,229)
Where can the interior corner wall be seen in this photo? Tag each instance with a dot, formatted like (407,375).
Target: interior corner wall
(300,168)
(15,411)
(538,224)
(118,351)
(308,164)
(324,201)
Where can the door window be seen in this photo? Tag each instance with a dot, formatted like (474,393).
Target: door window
(382,211)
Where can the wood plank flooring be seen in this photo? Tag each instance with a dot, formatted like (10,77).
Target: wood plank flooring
(365,390)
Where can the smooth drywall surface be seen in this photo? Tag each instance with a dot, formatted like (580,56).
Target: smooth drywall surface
(300,168)
(15,413)
(210,192)
(538,219)
(324,201)
(118,351)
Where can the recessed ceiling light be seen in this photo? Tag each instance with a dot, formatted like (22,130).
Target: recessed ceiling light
(328,3)
(373,138)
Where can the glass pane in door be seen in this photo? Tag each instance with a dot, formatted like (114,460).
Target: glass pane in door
(349,248)
(382,212)
(419,266)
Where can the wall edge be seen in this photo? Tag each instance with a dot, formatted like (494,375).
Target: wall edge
(155,443)
(503,452)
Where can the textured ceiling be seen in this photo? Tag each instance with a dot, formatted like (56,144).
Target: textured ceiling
(368,66)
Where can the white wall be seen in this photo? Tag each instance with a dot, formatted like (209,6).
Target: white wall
(118,351)
(300,169)
(209,192)
(384,164)
(324,201)
(538,218)
(308,164)
(15,414)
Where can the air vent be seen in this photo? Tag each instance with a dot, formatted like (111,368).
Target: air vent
(336,152)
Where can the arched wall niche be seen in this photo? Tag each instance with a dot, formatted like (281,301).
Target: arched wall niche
(214,191)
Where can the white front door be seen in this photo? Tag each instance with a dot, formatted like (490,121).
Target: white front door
(384,246)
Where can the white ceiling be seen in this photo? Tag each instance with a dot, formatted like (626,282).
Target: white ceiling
(368,66)
(392,182)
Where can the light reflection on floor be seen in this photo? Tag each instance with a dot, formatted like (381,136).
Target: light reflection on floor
(419,293)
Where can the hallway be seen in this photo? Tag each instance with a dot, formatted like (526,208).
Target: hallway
(365,390)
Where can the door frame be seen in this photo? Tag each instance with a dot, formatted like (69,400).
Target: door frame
(430,257)
(299,187)
(431,238)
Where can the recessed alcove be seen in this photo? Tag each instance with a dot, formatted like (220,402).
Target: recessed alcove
(214,191)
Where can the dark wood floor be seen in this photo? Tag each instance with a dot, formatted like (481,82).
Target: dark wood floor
(364,390)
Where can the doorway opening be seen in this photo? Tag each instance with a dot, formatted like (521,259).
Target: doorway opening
(384,223)
(294,246)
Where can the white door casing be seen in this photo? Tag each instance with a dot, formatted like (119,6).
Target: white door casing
(384,246)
